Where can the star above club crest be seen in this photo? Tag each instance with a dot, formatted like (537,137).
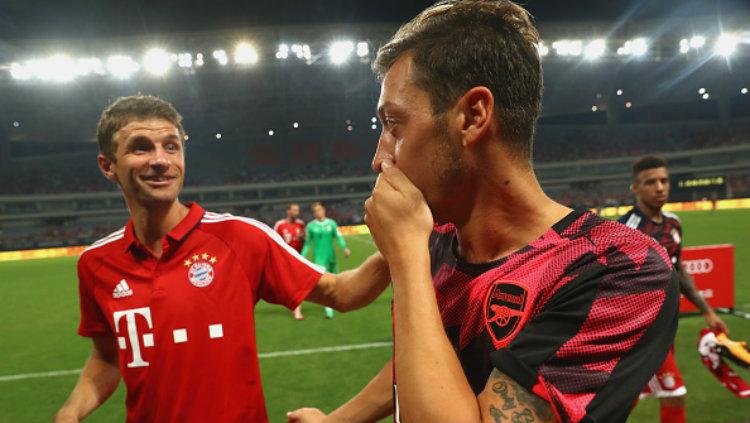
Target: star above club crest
(204,256)
(196,257)
(213,260)
(188,263)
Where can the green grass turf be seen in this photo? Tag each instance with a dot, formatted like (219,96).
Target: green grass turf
(39,316)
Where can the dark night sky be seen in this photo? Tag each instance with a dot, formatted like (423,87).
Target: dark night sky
(24,19)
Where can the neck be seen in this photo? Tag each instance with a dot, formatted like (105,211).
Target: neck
(653,213)
(152,223)
(506,213)
(290,219)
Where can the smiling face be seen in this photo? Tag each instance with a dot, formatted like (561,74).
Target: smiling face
(414,139)
(148,162)
(651,187)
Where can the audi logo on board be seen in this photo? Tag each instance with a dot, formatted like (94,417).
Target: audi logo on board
(696,267)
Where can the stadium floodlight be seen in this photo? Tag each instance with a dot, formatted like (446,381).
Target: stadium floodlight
(245,53)
(57,68)
(628,104)
(594,108)
(295,125)
(619,92)
(595,49)
(19,71)
(121,66)
(374,119)
(88,65)
(363,49)
(16,124)
(542,49)
(374,126)
(702,91)
(282,52)
(185,60)
(743,91)
(635,47)
(199,59)
(340,51)
(157,62)
(697,41)
(705,96)
(270,132)
(218,135)
(568,47)
(726,44)
(221,57)
(684,45)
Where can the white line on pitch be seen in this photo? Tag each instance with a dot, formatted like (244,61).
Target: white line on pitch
(273,354)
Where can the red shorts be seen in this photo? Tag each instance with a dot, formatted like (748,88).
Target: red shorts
(667,382)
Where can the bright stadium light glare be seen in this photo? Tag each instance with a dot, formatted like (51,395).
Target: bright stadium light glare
(221,57)
(684,45)
(88,65)
(121,66)
(185,60)
(157,62)
(595,49)
(57,68)
(619,92)
(374,126)
(218,135)
(726,44)
(340,51)
(702,91)
(282,52)
(295,125)
(568,47)
(635,47)
(542,49)
(245,53)
(363,49)
(705,96)
(270,132)
(697,41)
(199,59)
(19,71)
(594,108)
(743,91)
(628,104)
(374,119)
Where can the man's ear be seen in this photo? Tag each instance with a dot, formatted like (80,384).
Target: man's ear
(105,166)
(476,110)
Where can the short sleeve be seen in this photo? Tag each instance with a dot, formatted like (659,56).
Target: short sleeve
(287,277)
(599,339)
(93,323)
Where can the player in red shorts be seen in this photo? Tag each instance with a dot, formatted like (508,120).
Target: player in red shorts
(168,300)
(292,230)
(513,308)
(651,189)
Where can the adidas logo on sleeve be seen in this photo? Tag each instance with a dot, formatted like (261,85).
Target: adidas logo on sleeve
(122,290)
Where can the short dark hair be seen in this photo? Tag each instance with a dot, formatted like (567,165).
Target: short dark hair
(456,45)
(123,110)
(290,205)
(646,163)
(316,204)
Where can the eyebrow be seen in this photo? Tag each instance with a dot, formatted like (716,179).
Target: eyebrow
(387,104)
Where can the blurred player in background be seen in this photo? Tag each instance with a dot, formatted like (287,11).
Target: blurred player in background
(514,308)
(651,188)
(320,233)
(169,299)
(292,230)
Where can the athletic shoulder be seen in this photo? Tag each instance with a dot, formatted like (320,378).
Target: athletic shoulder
(236,231)
(104,245)
(670,215)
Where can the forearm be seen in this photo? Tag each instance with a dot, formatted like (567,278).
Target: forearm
(431,383)
(688,289)
(354,288)
(97,382)
(373,403)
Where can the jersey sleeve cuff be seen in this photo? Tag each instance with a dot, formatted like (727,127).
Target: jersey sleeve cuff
(93,333)
(305,291)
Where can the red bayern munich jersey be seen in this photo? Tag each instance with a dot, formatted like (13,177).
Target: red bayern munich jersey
(292,233)
(582,317)
(184,323)
(668,233)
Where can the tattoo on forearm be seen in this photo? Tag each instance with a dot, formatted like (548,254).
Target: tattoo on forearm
(514,404)
(501,388)
(689,290)
(524,416)
(496,414)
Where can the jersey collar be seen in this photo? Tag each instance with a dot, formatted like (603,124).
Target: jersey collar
(176,235)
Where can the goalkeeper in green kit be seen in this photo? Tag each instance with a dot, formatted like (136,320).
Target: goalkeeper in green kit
(320,232)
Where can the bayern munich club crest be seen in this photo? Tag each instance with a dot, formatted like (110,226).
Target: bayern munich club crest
(201,269)
(504,310)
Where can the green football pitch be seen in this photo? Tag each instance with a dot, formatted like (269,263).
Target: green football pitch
(321,362)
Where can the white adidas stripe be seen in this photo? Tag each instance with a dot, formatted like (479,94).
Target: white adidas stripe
(271,234)
(106,240)
(633,221)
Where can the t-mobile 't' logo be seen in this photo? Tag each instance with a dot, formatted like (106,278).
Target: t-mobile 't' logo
(135,344)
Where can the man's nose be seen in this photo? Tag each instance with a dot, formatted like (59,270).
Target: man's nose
(385,151)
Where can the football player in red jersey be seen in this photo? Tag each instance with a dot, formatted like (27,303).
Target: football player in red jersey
(514,307)
(651,188)
(168,300)
(292,230)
